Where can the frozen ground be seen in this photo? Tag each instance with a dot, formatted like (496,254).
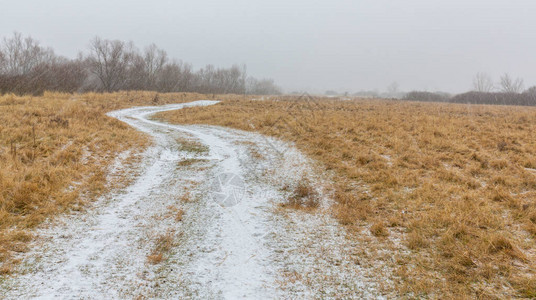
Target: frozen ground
(234,240)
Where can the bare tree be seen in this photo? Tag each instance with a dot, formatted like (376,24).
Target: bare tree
(531,91)
(154,61)
(508,85)
(22,55)
(2,62)
(169,78)
(483,83)
(109,61)
(392,89)
(136,78)
(175,77)
(187,77)
(231,80)
(262,87)
(207,78)
(66,75)
(243,80)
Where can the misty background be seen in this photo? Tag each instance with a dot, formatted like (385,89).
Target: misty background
(309,45)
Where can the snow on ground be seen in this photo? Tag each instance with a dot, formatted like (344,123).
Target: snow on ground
(234,240)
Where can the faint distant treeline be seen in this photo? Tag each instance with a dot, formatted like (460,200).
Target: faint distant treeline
(527,98)
(26,67)
(506,91)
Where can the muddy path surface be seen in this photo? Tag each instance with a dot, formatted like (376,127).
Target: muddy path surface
(201,219)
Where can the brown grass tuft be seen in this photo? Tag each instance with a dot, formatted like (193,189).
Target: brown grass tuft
(303,196)
(6,269)
(155,259)
(162,246)
(378,229)
(179,215)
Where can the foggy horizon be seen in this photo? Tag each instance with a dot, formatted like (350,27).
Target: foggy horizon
(307,45)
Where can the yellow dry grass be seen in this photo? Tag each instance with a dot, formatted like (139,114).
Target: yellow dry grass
(440,195)
(162,246)
(54,156)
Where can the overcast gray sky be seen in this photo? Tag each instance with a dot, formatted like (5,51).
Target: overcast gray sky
(306,44)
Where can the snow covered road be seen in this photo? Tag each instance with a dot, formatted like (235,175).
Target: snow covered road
(233,241)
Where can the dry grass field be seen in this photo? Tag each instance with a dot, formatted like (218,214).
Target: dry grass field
(55,151)
(442,196)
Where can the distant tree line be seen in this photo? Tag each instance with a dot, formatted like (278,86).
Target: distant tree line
(26,67)
(527,98)
(507,91)
(427,96)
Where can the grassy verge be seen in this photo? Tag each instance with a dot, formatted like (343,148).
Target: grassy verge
(440,195)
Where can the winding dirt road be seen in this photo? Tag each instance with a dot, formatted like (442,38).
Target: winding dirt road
(234,241)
